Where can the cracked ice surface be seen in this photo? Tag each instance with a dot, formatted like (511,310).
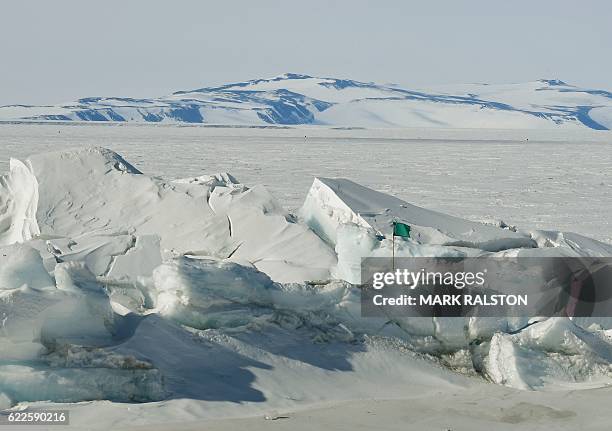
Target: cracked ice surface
(124,287)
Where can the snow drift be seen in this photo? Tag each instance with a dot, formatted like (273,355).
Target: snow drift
(143,289)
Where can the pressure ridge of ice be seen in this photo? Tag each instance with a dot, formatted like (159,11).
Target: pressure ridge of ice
(122,286)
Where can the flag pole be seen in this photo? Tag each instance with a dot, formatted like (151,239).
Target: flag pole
(393,246)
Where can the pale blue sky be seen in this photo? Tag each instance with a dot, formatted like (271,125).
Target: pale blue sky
(57,51)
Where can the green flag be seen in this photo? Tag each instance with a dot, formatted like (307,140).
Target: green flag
(401,229)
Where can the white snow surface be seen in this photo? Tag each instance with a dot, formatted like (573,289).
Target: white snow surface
(331,202)
(200,216)
(18,200)
(292,99)
(558,180)
(202,298)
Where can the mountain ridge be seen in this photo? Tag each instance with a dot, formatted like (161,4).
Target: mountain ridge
(299,99)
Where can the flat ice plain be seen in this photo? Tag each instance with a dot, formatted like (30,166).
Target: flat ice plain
(540,179)
(553,180)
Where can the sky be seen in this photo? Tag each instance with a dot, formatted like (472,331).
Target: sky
(61,50)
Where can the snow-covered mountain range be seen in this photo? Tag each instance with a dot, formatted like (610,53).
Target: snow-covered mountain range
(294,99)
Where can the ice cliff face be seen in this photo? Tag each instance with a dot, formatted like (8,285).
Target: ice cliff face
(121,286)
(294,99)
(18,204)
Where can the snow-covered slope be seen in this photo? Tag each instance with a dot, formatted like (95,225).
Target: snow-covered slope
(331,202)
(204,216)
(205,295)
(292,99)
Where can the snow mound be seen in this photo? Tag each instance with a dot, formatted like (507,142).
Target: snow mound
(358,222)
(125,287)
(218,217)
(204,294)
(552,353)
(45,319)
(331,202)
(38,311)
(209,294)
